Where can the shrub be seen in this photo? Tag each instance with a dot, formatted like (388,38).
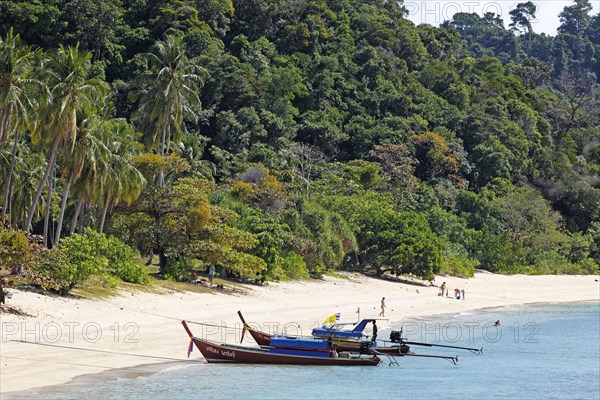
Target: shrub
(271,182)
(71,263)
(318,269)
(14,248)
(177,270)
(294,266)
(241,190)
(255,174)
(79,257)
(458,265)
(121,261)
(133,272)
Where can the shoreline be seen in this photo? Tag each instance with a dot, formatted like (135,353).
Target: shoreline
(150,369)
(301,303)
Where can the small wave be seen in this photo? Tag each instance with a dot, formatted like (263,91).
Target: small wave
(180,366)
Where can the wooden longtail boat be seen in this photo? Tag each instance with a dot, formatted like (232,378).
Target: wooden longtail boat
(287,351)
(340,343)
(396,346)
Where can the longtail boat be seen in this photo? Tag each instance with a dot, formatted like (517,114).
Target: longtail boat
(291,351)
(354,340)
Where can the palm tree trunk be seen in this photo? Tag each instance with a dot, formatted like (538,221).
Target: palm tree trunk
(163,144)
(38,193)
(48,204)
(7,190)
(62,209)
(5,118)
(75,217)
(81,220)
(103,217)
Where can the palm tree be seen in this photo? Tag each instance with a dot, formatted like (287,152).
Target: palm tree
(108,177)
(29,167)
(191,149)
(71,87)
(16,105)
(167,92)
(119,180)
(88,151)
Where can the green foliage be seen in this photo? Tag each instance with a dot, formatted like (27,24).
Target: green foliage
(121,261)
(294,136)
(177,271)
(294,266)
(14,248)
(73,262)
(80,257)
(459,266)
(178,222)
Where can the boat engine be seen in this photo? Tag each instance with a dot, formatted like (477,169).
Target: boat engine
(396,336)
(365,347)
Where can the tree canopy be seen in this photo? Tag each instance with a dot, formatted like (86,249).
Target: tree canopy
(282,139)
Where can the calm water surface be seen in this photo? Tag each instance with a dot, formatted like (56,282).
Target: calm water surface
(541,352)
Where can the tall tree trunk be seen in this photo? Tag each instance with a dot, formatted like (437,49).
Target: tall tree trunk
(48,204)
(38,193)
(80,227)
(162,260)
(7,190)
(163,144)
(63,206)
(103,217)
(75,217)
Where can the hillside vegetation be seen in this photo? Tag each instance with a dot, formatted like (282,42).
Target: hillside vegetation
(278,139)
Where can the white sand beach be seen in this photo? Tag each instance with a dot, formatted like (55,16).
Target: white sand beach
(78,337)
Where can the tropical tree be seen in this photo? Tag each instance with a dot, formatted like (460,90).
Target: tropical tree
(72,86)
(16,104)
(574,19)
(168,92)
(521,17)
(89,152)
(29,167)
(120,181)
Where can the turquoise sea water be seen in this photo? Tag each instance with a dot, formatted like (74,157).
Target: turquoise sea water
(541,352)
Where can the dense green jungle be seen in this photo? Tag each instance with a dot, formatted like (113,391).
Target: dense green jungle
(292,138)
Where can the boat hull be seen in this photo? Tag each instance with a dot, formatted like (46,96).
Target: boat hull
(223,353)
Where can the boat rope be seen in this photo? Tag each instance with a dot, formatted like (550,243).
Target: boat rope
(214,325)
(223,326)
(100,351)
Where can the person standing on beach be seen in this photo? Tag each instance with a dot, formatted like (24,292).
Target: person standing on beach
(463,293)
(443,289)
(382,313)
(211,274)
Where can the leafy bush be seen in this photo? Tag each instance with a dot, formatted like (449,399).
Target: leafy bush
(14,248)
(133,272)
(459,266)
(177,270)
(318,269)
(104,280)
(294,266)
(121,261)
(79,257)
(71,263)
(241,190)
